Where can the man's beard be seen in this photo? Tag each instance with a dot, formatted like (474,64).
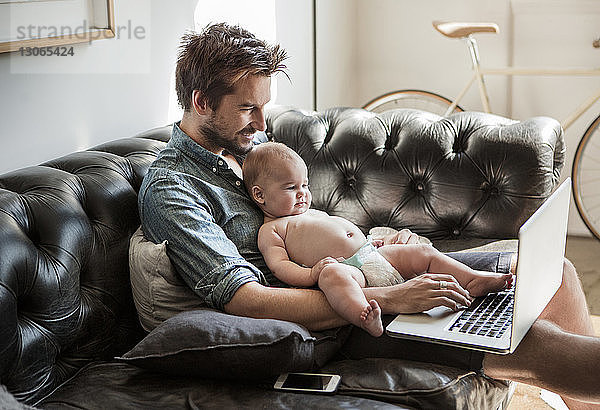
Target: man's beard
(216,136)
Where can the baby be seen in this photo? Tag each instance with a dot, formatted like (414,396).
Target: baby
(303,246)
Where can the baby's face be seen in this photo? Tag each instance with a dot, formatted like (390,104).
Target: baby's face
(286,192)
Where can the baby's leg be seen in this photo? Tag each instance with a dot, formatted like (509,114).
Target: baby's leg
(413,260)
(342,285)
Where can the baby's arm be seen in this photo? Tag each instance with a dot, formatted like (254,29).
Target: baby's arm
(272,247)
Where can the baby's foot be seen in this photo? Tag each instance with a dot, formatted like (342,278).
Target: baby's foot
(370,319)
(486,282)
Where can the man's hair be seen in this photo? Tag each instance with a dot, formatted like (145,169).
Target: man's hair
(263,160)
(213,60)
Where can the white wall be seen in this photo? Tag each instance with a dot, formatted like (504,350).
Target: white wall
(337,37)
(51,106)
(336,52)
(557,33)
(295,33)
(115,88)
(337,59)
(399,48)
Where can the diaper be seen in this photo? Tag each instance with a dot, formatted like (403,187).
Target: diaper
(377,270)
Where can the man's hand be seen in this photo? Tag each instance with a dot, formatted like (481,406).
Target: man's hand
(315,271)
(422,293)
(402,237)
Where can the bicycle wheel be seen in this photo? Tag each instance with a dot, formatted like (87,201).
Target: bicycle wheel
(586,177)
(419,99)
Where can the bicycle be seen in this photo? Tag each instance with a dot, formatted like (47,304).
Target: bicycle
(586,164)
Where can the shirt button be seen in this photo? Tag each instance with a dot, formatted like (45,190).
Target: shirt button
(220,162)
(214,169)
(238,183)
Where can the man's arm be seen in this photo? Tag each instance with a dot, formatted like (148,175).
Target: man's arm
(308,307)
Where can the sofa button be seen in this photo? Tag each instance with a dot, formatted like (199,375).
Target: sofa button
(490,189)
(456,232)
(351,182)
(420,186)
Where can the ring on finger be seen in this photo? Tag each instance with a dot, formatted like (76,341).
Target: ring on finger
(443,284)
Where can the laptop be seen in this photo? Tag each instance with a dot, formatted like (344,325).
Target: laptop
(505,316)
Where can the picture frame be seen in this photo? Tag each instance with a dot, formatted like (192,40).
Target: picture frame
(97,21)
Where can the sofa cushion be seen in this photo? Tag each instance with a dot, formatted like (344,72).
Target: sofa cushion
(158,291)
(417,385)
(366,384)
(213,344)
(120,385)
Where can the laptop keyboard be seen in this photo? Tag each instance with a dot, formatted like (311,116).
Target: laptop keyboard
(489,316)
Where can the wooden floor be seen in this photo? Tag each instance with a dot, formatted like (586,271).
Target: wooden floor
(585,255)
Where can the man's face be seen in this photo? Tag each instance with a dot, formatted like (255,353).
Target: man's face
(239,115)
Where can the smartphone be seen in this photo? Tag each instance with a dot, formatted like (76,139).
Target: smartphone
(308,382)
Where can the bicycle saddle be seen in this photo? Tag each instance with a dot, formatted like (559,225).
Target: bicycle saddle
(456,29)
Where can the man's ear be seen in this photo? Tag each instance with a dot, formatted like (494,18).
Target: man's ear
(199,103)
(257,194)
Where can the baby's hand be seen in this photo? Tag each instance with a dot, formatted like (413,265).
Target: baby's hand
(315,271)
(404,236)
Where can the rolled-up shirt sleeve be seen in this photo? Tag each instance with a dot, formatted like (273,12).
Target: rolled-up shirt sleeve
(202,254)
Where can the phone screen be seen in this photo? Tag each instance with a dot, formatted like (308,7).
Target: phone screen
(305,381)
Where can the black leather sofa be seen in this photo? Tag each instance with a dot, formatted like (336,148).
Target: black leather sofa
(66,306)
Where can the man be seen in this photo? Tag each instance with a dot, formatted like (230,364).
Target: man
(193,196)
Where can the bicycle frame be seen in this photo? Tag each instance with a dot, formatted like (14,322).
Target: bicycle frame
(479,73)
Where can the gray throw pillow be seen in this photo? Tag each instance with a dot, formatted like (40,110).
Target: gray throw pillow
(213,344)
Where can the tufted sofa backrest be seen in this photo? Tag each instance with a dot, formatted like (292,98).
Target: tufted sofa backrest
(471,175)
(65,296)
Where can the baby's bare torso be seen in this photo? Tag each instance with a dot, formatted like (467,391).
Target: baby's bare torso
(313,235)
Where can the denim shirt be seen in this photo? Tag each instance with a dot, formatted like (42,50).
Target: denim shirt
(192,199)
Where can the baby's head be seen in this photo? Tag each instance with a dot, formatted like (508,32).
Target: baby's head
(277,180)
